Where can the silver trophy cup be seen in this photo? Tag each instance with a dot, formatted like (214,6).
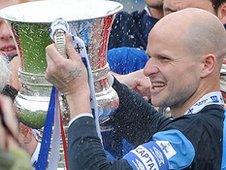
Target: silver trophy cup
(91,20)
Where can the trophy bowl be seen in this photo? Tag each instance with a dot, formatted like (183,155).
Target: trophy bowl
(91,20)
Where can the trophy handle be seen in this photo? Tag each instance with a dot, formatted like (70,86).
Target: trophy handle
(58,30)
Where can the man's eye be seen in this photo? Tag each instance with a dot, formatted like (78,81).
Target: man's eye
(165,59)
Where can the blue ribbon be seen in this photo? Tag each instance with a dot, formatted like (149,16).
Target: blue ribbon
(46,139)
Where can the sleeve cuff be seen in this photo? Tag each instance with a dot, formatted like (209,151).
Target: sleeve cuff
(79,116)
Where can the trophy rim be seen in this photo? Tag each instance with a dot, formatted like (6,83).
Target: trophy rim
(18,12)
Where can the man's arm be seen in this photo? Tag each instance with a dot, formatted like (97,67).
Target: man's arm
(168,149)
(70,77)
(135,116)
(85,148)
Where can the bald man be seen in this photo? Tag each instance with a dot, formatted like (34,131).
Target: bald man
(217,7)
(184,71)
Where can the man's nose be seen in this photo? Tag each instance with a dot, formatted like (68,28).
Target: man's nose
(5,32)
(150,69)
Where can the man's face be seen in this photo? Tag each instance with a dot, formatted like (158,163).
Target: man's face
(7,44)
(170,6)
(154,3)
(173,73)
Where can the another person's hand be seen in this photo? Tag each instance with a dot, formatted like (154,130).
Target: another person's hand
(12,155)
(27,138)
(14,65)
(130,79)
(10,121)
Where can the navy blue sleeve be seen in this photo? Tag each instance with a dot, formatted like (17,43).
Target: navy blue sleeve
(136,113)
(85,149)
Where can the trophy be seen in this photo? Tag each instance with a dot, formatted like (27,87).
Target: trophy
(91,20)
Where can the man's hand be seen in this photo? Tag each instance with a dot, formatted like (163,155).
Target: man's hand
(136,81)
(143,86)
(69,75)
(27,138)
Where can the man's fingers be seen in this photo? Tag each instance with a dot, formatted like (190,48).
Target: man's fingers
(72,54)
(53,54)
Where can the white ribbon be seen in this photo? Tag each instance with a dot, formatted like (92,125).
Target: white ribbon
(208,99)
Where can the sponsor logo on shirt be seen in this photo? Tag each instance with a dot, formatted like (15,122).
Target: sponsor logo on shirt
(167,148)
(201,102)
(158,156)
(215,99)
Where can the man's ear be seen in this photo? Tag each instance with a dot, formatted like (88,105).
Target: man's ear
(221,13)
(208,64)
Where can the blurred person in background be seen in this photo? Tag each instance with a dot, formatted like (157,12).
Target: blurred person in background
(8,47)
(12,156)
(131,30)
(128,38)
(10,84)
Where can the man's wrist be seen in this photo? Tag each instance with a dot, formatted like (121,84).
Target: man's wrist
(78,102)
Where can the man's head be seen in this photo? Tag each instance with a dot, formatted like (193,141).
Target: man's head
(154,3)
(170,6)
(155,8)
(220,8)
(7,45)
(217,7)
(185,62)
(217,4)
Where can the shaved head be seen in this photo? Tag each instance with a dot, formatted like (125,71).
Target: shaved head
(205,35)
(200,31)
